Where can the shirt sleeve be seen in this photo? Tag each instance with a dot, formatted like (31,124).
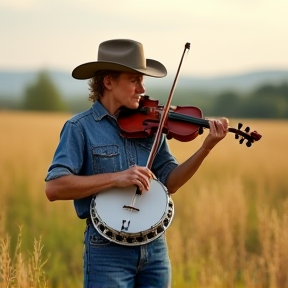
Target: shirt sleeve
(68,157)
(164,161)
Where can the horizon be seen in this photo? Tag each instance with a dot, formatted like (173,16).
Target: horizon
(68,85)
(236,74)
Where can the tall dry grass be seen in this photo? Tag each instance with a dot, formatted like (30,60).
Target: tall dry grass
(27,144)
(230,225)
(20,271)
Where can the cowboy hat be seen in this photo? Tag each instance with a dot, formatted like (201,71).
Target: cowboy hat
(120,55)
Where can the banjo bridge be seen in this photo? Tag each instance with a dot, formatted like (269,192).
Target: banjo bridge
(131,208)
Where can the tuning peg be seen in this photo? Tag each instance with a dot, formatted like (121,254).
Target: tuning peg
(241,140)
(200,130)
(248,143)
(236,136)
(240,125)
(247,129)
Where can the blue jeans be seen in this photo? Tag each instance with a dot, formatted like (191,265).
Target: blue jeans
(110,265)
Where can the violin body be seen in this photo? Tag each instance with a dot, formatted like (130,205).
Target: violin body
(144,121)
(180,129)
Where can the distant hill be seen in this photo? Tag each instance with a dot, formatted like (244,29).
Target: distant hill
(12,83)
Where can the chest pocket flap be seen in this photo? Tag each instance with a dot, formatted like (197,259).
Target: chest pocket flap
(106,159)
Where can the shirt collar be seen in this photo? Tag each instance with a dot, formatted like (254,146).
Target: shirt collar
(99,112)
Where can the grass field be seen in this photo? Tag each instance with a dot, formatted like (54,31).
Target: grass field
(231,220)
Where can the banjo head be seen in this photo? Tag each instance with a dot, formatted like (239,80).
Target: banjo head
(124,217)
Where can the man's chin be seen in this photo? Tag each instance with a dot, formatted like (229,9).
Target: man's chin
(134,106)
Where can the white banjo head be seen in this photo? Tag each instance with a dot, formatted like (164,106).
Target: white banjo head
(124,217)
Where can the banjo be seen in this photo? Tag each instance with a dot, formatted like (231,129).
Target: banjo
(124,216)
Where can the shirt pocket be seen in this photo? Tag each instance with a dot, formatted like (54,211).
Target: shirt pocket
(106,159)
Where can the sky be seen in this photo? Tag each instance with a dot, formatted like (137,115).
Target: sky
(226,36)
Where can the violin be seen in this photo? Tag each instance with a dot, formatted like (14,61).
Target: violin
(183,123)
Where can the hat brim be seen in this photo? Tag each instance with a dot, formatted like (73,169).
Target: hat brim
(88,70)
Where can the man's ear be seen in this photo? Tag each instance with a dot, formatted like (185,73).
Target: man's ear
(108,80)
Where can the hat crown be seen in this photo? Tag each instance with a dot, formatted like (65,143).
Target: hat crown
(122,51)
(122,55)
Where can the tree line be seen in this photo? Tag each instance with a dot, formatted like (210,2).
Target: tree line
(267,101)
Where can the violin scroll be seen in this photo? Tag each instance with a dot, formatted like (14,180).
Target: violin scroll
(245,135)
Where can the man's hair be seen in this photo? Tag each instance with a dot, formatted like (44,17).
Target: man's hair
(96,85)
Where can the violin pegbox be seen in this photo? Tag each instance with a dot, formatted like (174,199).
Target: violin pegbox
(247,129)
(251,137)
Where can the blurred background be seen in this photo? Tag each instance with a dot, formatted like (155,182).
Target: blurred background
(236,206)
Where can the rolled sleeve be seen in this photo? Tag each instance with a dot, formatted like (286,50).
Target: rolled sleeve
(165,171)
(57,172)
(68,157)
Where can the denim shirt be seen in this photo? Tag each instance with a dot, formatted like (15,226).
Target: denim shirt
(90,143)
